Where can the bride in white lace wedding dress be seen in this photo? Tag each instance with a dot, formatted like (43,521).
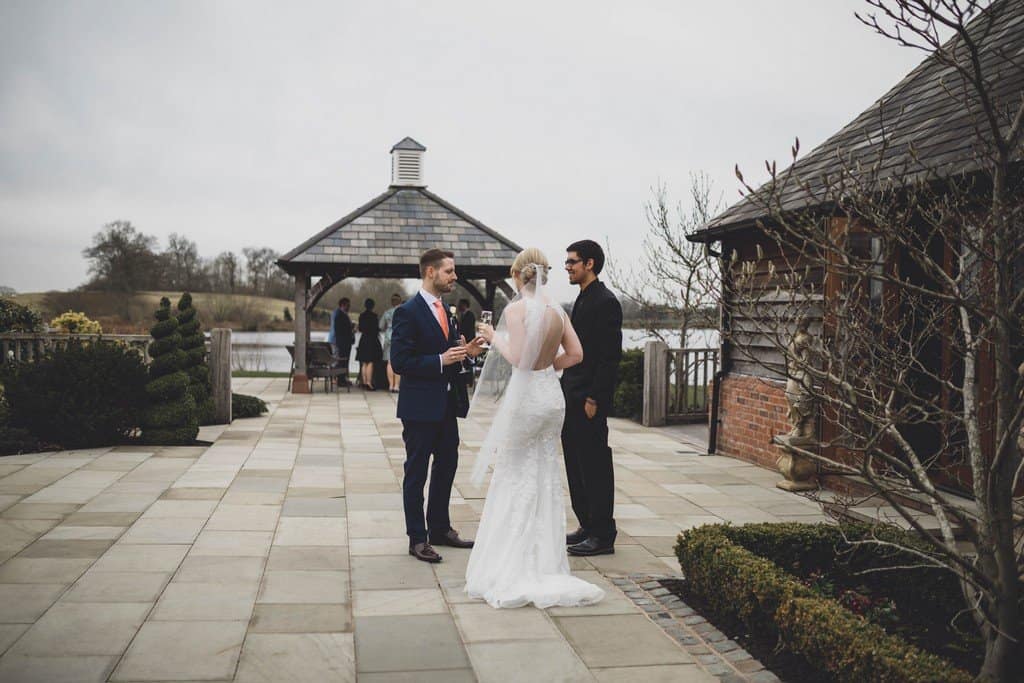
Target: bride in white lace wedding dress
(519,556)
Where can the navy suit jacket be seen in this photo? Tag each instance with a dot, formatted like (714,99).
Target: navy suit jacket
(416,342)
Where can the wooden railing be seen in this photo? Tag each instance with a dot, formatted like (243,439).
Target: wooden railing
(690,375)
(21,347)
(677,383)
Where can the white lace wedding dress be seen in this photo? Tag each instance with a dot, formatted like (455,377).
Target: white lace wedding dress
(519,556)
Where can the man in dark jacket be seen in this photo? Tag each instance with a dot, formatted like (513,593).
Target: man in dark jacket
(341,337)
(588,389)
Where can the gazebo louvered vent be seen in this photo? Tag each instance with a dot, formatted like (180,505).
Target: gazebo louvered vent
(385,237)
(407,164)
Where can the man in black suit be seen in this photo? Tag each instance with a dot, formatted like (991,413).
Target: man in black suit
(467,320)
(343,336)
(588,389)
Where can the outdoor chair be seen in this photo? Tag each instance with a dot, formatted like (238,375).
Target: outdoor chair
(320,364)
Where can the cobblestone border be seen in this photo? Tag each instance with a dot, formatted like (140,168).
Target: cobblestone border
(711,649)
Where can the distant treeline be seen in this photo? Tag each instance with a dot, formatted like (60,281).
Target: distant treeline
(123,259)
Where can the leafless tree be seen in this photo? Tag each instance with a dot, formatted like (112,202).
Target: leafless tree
(260,267)
(182,266)
(916,272)
(675,282)
(225,273)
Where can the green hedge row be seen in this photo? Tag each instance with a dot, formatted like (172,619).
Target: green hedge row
(629,392)
(740,585)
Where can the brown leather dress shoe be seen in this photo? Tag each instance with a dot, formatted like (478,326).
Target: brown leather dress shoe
(424,553)
(451,538)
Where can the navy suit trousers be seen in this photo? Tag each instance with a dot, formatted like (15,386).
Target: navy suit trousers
(422,440)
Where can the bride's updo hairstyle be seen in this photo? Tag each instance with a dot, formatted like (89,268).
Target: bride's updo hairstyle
(526,262)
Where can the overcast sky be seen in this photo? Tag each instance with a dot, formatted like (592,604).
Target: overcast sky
(258,124)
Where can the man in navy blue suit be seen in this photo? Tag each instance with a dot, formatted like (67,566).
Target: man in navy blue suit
(427,350)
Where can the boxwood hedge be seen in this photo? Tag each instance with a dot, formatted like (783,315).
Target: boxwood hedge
(740,585)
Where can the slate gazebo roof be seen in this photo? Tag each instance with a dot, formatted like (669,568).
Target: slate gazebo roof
(385,237)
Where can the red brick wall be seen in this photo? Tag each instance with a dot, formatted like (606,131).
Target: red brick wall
(751,411)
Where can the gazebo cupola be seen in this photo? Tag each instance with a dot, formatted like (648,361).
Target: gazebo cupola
(384,239)
(407,164)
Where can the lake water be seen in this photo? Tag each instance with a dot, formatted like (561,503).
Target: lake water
(265,351)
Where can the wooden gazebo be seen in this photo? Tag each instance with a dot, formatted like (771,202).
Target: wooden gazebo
(384,239)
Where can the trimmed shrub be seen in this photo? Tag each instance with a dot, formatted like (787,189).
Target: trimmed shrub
(928,598)
(194,345)
(741,586)
(74,322)
(82,396)
(17,318)
(246,406)
(170,418)
(629,393)
(14,439)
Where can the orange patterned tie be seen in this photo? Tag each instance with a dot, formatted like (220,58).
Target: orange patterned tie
(442,319)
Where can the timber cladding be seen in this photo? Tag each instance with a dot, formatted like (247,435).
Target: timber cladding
(751,411)
(763,305)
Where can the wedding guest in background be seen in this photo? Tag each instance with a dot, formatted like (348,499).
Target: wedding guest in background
(341,337)
(369,350)
(394,380)
(467,320)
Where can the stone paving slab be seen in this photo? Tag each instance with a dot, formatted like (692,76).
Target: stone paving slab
(278,553)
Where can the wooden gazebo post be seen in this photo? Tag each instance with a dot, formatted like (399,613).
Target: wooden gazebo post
(300,382)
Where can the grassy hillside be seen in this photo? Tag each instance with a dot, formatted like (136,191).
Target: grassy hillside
(120,313)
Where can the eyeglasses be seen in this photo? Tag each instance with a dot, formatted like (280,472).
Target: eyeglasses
(569,262)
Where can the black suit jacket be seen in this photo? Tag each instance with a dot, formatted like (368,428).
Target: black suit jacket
(416,343)
(343,334)
(597,318)
(467,325)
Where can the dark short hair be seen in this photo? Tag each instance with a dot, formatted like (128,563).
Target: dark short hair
(369,303)
(396,295)
(464,301)
(433,257)
(589,249)
(343,300)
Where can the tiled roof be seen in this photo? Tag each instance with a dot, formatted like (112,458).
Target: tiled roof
(393,229)
(918,117)
(409,143)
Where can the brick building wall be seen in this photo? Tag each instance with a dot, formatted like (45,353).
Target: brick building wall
(751,411)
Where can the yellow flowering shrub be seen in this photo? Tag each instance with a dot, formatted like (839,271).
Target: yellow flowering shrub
(74,322)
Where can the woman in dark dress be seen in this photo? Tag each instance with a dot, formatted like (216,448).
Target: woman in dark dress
(369,350)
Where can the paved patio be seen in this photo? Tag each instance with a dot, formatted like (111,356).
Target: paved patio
(278,554)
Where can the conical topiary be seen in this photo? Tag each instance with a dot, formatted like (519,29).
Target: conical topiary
(171,415)
(194,345)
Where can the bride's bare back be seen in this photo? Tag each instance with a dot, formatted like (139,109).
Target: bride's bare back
(558,332)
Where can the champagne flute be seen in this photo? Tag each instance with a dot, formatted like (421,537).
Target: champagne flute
(485,319)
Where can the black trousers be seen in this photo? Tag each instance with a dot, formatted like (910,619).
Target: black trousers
(588,467)
(423,439)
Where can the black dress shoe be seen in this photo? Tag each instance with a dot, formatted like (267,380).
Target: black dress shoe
(451,538)
(575,537)
(424,553)
(592,546)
